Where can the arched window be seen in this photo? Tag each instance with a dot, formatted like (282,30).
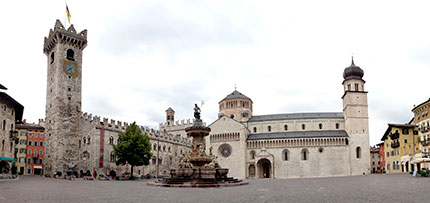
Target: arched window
(29,143)
(255,129)
(320,125)
(269,128)
(285,127)
(2,145)
(89,140)
(52,57)
(4,124)
(337,125)
(85,140)
(358,152)
(252,155)
(164,148)
(112,157)
(303,126)
(70,55)
(346,141)
(285,155)
(11,146)
(79,143)
(251,171)
(111,140)
(29,151)
(305,154)
(155,147)
(35,143)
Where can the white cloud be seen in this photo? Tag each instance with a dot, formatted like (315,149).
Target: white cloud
(143,57)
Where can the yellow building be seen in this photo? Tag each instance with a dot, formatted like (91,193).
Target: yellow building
(400,147)
(422,120)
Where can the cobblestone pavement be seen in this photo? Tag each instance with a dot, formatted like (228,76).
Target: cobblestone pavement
(369,188)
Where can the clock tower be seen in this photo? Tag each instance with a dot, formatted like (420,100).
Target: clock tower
(63,48)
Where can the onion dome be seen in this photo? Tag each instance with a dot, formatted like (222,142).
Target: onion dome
(353,71)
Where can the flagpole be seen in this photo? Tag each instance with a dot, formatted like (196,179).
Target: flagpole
(65,17)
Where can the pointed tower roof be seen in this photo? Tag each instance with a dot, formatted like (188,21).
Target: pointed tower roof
(353,71)
(236,94)
(170,110)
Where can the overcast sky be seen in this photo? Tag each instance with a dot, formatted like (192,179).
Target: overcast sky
(145,56)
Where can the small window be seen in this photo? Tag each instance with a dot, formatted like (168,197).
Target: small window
(303,126)
(349,87)
(255,129)
(305,154)
(70,55)
(269,128)
(89,141)
(406,141)
(232,116)
(320,126)
(337,125)
(285,155)
(285,127)
(52,57)
(356,87)
(358,152)
(252,155)
(320,150)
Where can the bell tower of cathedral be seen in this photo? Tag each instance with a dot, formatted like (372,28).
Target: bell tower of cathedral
(63,48)
(355,110)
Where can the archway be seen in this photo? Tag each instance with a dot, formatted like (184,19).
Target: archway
(251,171)
(264,168)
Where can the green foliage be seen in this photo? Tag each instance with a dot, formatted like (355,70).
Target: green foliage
(424,173)
(133,147)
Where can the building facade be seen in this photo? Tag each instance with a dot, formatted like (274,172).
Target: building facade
(400,146)
(422,120)
(79,142)
(381,157)
(10,113)
(374,159)
(319,144)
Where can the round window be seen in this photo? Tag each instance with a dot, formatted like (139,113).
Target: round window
(320,150)
(225,150)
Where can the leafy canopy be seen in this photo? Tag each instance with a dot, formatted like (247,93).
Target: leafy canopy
(133,147)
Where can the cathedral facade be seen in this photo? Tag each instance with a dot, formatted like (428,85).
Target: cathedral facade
(79,142)
(291,145)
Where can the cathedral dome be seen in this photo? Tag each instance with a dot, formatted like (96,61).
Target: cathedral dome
(353,71)
(236,94)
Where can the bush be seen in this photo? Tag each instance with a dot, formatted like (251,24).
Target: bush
(424,173)
(411,172)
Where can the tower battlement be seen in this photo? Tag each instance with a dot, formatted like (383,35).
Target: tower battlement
(64,36)
(179,123)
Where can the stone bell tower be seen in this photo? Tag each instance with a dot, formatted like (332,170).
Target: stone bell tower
(355,110)
(63,48)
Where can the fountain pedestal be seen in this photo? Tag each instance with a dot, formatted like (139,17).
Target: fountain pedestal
(198,169)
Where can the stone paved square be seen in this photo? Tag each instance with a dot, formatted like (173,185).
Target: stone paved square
(369,188)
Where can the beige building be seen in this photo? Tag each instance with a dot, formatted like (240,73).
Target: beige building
(10,112)
(374,159)
(320,144)
(21,147)
(422,120)
(80,142)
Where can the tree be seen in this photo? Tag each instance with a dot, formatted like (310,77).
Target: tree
(133,148)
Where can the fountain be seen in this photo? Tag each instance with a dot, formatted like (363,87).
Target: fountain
(198,169)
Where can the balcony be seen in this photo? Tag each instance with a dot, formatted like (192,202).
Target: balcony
(395,144)
(394,136)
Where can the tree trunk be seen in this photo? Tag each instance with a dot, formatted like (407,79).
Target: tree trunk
(131,175)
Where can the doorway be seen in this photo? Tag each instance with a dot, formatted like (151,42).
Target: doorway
(264,168)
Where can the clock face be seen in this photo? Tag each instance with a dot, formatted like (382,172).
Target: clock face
(70,68)
(225,150)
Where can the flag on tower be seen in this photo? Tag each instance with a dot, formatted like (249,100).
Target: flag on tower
(68,13)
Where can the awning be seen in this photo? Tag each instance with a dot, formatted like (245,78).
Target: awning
(40,167)
(420,160)
(6,158)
